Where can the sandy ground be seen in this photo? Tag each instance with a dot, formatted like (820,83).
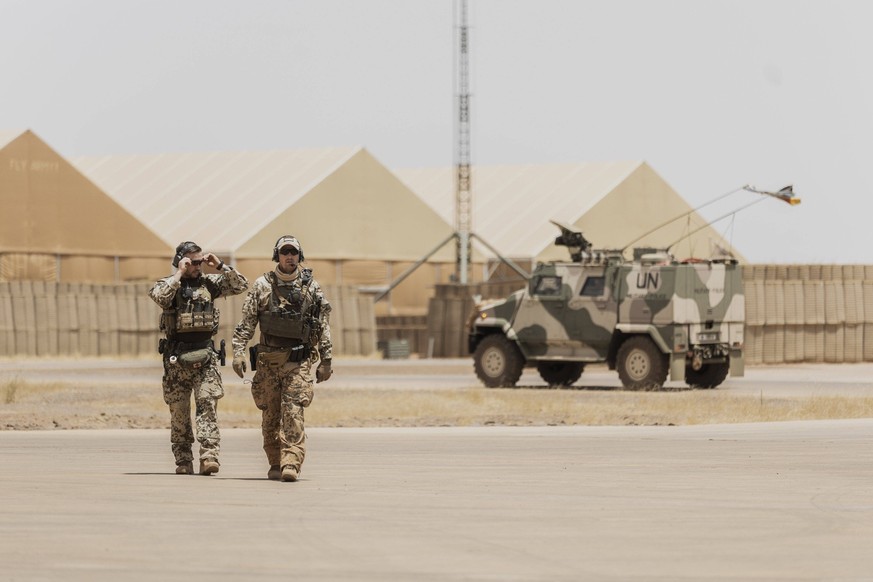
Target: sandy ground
(103,393)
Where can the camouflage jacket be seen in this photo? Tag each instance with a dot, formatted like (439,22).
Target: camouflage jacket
(229,282)
(258,300)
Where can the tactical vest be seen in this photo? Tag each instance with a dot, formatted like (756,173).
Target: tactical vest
(289,320)
(193,317)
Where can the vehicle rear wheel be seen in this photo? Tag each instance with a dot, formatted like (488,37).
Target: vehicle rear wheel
(560,373)
(498,362)
(709,376)
(641,365)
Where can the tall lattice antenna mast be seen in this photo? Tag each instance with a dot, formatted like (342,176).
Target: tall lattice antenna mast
(463,191)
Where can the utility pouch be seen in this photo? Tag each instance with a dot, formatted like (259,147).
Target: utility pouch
(299,353)
(253,357)
(273,359)
(162,345)
(195,358)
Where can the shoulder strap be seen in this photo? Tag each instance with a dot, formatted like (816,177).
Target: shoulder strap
(271,277)
(213,287)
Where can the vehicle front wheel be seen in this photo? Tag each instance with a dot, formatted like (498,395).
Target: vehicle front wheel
(560,373)
(709,376)
(641,365)
(498,362)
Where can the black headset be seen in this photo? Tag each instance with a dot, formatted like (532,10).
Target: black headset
(183,249)
(276,248)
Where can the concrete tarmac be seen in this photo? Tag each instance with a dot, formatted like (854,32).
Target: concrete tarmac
(768,501)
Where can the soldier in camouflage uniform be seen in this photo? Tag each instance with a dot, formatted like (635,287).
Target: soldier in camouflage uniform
(293,315)
(189,321)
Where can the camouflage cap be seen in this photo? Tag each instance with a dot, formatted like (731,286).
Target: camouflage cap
(287,241)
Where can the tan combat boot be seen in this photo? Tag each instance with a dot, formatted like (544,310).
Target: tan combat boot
(208,466)
(185,468)
(275,473)
(289,473)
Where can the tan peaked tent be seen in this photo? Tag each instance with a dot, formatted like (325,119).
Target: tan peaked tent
(358,224)
(612,203)
(56,225)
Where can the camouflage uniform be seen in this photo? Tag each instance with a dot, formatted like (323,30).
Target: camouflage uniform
(282,387)
(204,381)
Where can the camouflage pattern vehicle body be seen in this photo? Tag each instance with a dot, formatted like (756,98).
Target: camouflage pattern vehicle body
(647,318)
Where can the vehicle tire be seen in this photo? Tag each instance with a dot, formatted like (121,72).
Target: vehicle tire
(498,362)
(641,365)
(709,376)
(560,373)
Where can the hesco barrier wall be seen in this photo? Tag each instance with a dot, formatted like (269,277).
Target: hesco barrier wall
(808,313)
(794,313)
(69,319)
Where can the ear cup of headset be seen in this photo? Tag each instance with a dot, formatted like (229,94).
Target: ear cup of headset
(182,250)
(276,249)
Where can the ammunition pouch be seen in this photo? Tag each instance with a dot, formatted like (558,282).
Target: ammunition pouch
(191,320)
(162,345)
(299,353)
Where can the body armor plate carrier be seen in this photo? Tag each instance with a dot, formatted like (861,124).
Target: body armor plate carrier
(289,319)
(193,319)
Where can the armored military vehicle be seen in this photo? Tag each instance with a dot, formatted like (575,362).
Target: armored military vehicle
(647,318)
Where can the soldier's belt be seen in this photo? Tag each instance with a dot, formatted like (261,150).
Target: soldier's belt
(273,356)
(180,347)
(278,342)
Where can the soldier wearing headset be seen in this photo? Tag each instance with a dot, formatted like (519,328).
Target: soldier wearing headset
(293,315)
(188,322)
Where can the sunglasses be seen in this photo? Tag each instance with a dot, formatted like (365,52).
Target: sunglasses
(196,262)
(289,251)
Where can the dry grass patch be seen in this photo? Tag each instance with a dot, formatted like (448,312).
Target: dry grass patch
(17,390)
(26,405)
(572,407)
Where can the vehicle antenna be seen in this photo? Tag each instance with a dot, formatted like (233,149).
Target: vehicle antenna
(683,215)
(785,194)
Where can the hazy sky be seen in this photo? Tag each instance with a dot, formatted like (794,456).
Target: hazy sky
(712,94)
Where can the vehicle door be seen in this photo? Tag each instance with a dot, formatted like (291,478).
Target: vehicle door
(539,322)
(592,312)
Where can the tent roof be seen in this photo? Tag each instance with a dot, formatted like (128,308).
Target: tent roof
(219,199)
(509,201)
(610,202)
(50,207)
(8,135)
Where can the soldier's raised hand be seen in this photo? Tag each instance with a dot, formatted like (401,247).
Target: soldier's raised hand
(184,263)
(211,260)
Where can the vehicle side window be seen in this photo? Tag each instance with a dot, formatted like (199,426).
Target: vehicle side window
(548,285)
(593,287)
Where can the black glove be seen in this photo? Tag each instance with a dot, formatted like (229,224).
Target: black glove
(323,372)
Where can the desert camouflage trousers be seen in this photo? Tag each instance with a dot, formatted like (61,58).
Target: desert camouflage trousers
(281,392)
(180,383)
